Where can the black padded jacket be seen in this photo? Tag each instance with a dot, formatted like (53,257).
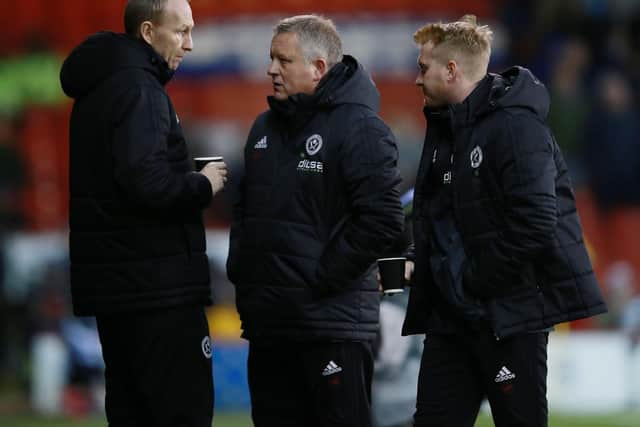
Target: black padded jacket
(136,235)
(319,204)
(515,253)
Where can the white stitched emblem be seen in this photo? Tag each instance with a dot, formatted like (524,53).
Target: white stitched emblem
(314,144)
(476,157)
(206,347)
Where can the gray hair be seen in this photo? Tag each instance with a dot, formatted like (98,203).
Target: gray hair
(317,35)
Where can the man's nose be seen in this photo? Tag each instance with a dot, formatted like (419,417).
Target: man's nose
(273,69)
(188,43)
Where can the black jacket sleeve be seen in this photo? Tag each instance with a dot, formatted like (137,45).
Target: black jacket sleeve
(526,175)
(142,167)
(369,171)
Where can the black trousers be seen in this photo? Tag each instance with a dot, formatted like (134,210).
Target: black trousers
(158,368)
(459,370)
(310,384)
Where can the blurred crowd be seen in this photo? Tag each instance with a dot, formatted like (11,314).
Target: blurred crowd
(587,53)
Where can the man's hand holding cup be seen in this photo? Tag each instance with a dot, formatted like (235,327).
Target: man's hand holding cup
(215,169)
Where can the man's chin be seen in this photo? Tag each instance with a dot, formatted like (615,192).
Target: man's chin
(429,102)
(175,63)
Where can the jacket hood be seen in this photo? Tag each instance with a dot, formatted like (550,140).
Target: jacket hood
(349,83)
(346,83)
(102,55)
(518,87)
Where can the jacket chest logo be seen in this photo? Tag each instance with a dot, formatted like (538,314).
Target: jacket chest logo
(313,166)
(476,157)
(261,144)
(314,144)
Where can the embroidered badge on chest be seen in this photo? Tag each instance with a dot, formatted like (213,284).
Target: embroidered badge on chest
(314,144)
(476,157)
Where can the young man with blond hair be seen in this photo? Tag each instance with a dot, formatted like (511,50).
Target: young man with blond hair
(498,249)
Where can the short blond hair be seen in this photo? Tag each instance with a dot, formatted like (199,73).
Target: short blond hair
(464,41)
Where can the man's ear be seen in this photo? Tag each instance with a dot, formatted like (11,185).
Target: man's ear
(320,68)
(146,31)
(452,70)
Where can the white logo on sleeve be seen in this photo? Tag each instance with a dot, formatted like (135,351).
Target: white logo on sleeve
(504,375)
(331,368)
(206,347)
(476,157)
(314,144)
(261,144)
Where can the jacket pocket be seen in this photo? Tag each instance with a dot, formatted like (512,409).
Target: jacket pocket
(521,311)
(447,272)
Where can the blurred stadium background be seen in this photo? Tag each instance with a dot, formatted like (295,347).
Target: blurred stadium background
(587,52)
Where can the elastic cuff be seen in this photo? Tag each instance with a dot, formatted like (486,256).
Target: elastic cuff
(202,188)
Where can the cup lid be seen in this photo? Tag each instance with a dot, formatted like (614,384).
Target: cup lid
(209,159)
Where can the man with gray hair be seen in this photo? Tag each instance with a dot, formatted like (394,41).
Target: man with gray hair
(318,205)
(137,241)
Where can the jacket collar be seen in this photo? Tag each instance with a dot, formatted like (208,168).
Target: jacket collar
(158,65)
(454,116)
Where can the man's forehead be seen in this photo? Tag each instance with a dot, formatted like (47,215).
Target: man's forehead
(427,47)
(287,38)
(285,42)
(425,51)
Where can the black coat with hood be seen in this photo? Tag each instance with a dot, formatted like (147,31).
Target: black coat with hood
(319,204)
(136,233)
(514,255)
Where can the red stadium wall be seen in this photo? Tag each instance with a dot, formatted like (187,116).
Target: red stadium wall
(63,24)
